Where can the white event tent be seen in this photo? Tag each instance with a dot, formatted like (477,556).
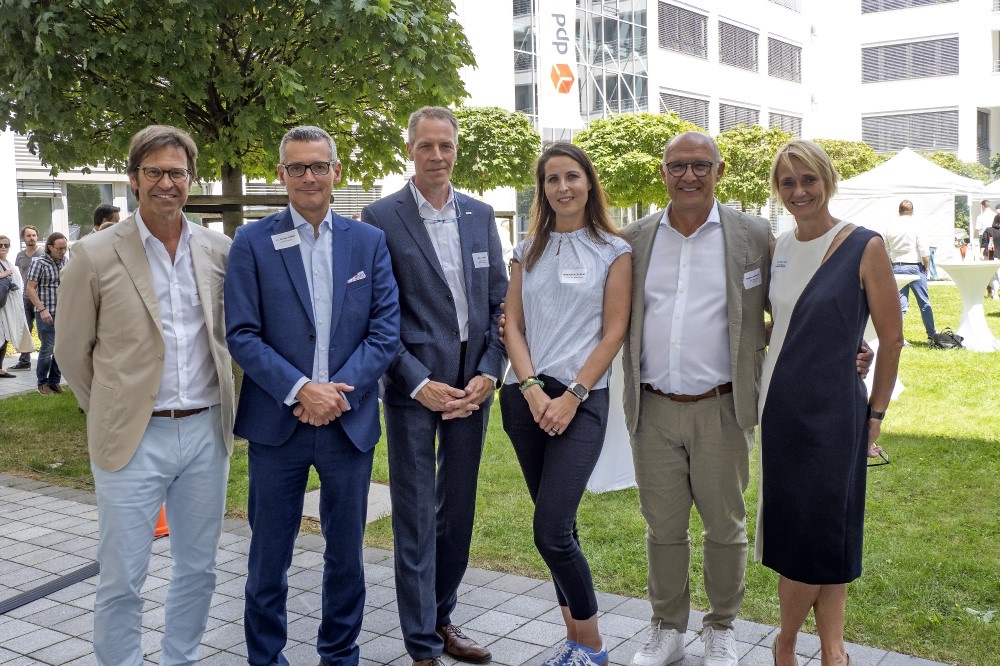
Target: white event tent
(871,199)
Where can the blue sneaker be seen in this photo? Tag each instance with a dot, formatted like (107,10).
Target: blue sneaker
(562,655)
(585,656)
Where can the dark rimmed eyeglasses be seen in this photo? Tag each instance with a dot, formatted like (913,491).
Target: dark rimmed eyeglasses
(299,170)
(4,245)
(154,174)
(883,459)
(700,168)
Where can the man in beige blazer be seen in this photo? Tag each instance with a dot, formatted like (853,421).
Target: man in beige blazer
(143,347)
(692,364)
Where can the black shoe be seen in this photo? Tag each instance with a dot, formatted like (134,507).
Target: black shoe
(7,375)
(21,365)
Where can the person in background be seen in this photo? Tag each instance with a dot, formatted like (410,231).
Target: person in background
(989,244)
(104,216)
(827,275)
(13,327)
(904,242)
(29,236)
(567,311)
(42,287)
(985,218)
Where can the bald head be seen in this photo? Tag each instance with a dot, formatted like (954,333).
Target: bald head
(693,139)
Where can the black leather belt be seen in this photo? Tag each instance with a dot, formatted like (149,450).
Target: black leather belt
(178,413)
(904,263)
(721,389)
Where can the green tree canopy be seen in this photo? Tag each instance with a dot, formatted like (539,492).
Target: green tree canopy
(80,77)
(951,162)
(748,152)
(851,158)
(496,148)
(627,150)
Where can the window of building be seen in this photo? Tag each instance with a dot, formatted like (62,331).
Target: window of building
(737,46)
(783,121)
(983,136)
(911,60)
(788,4)
(683,30)
(929,131)
(691,109)
(784,60)
(871,6)
(522,7)
(82,199)
(35,212)
(731,115)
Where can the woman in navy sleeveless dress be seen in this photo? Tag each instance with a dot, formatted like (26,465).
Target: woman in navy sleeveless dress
(818,426)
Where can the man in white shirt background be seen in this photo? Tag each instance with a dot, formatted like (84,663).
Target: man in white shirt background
(908,251)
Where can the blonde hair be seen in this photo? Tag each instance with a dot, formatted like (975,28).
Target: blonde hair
(815,159)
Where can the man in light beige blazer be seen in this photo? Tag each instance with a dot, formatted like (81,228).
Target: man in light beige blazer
(143,347)
(692,363)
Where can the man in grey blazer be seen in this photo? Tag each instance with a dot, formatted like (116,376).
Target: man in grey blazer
(692,364)
(448,263)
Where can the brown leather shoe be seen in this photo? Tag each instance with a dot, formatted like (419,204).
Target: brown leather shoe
(44,389)
(435,661)
(461,647)
(56,388)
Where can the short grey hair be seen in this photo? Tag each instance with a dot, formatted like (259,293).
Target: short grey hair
(307,133)
(432,113)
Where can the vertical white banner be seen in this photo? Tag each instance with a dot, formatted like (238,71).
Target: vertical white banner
(558,89)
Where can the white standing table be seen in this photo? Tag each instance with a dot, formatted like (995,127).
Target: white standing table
(971,279)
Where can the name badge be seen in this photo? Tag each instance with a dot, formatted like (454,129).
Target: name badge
(779,264)
(751,279)
(573,275)
(195,298)
(287,239)
(481,259)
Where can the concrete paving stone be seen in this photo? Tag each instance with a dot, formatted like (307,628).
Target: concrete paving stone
(376,555)
(84,546)
(306,580)
(619,625)
(529,607)
(380,621)
(495,622)
(223,577)
(35,556)
(545,590)
(751,632)
(243,531)
(305,602)
(227,556)
(30,609)
(22,661)
(25,512)
(158,595)
(86,660)
(61,653)
(236,566)
(51,540)
(896,659)
(513,653)
(464,613)
(223,659)
(759,655)
(224,637)
(35,640)
(226,538)
(513,584)
(86,528)
(554,616)
(313,542)
(541,633)
(863,655)
(6,656)
(304,630)
(485,597)
(806,645)
(229,611)
(308,559)
(479,576)
(149,642)
(696,620)
(301,653)
(160,566)
(7,566)
(14,627)
(63,564)
(154,618)
(608,602)
(377,573)
(240,649)
(16,550)
(392,606)
(61,524)
(635,608)
(233,587)
(85,602)
(77,625)
(377,596)
(155,582)
(383,649)
(54,615)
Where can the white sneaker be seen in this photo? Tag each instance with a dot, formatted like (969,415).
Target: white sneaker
(720,647)
(662,646)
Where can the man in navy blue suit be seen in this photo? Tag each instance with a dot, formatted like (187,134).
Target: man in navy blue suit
(447,258)
(312,317)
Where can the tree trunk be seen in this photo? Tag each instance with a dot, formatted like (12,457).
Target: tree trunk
(232,185)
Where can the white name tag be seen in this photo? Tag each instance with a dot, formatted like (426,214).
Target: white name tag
(481,259)
(573,275)
(195,298)
(751,279)
(287,239)
(779,265)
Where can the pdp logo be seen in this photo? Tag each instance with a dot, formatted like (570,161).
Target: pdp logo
(562,78)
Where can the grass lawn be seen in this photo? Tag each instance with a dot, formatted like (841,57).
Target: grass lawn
(932,547)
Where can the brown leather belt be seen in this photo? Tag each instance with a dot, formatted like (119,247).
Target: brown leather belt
(721,389)
(179,413)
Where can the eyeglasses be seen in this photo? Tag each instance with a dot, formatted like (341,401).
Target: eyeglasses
(883,459)
(299,170)
(700,169)
(154,174)
(4,245)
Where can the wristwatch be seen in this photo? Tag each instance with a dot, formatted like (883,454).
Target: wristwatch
(872,414)
(579,390)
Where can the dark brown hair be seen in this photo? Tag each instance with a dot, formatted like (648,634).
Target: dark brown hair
(543,218)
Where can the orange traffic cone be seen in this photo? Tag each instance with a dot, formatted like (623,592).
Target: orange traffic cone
(161,524)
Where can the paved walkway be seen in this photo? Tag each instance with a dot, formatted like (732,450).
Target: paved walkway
(47,531)
(24,381)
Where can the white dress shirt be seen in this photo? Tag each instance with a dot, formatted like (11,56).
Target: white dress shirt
(317,260)
(904,241)
(190,380)
(442,226)
(685,341)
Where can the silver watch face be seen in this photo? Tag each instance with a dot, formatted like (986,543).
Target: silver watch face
(579,391)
